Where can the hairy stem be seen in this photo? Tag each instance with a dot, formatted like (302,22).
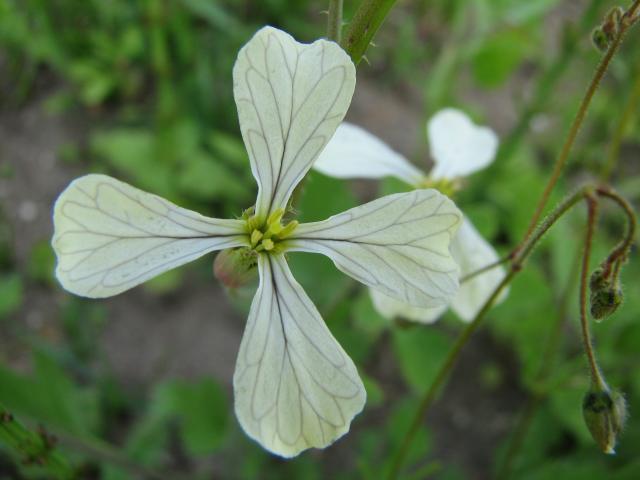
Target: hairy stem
(625,244)
(552,344)
(548,80)
(334,21)
(579,119)
(442,375)
(363,27)
(465,335)
(596,376)
(484,269)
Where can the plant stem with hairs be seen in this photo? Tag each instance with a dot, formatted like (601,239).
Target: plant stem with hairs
(629,19)
(461,341)
(363,27)
(334,21)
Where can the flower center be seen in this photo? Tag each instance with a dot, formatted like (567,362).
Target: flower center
(445,186)
(267,235)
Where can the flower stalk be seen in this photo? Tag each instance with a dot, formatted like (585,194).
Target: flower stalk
(596,376)
(465,335)
(629,18)
(334,21)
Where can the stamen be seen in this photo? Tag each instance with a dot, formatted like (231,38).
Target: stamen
(256,236)
(275,217)
(288,229)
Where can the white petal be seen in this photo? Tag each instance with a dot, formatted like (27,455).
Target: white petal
(294,386)
(355,153)
(110,236)
(458,147)
(398,244)
(473,252)
(391,308)
(290,98)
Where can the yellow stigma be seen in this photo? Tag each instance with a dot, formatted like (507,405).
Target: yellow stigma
(266,235)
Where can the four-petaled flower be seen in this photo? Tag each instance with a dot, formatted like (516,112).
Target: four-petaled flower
(294,385)
(458,148)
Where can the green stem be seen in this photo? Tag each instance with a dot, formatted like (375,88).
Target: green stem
(468,331)
(540,390)
(363,27)
(624,246)
(536,398)
(34,448)
(596,376)
(484,269)
(547,82)
(542,93)
(578,121)
(334,21)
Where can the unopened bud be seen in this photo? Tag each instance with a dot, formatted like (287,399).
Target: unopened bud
(604,413)
(605,301)
(612,22)
(600,39)
(606,295)
(607,32)
(235,267)
(597,279)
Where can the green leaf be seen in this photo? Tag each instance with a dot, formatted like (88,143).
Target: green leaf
(499,56)
(133,153)
(42,263)
(518,12)
(49,395)
(231,149)
(204,178)
(375,394)
(322,197)
(165,282)
(366,318)
(420,351)
(566,403)
(213,13)
(201,409)
(525,319)
(11,293)
(320,278)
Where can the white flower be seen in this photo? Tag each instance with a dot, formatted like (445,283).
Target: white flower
(294,386)
(458,148)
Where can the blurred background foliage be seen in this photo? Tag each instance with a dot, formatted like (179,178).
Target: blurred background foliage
(148,86)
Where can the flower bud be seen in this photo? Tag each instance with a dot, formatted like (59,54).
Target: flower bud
(235,267)
(604,413)
(605,301)
(600,39)
(597,279)
(612,22)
